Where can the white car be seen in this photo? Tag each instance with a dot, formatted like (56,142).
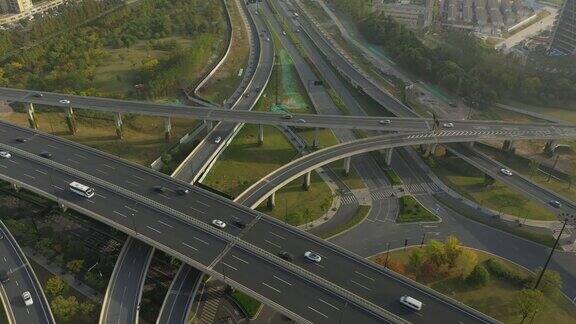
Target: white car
(218,223)
(4,154)
(506,172)
(385,121)
(64,101)
(218,140)
(301,121)
(27,298)
(448,125)
(284,33)
(411,302)
(314,257)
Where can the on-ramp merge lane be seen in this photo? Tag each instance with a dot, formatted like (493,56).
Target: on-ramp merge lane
(205,207)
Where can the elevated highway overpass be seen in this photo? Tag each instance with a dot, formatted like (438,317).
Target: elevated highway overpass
(244,258)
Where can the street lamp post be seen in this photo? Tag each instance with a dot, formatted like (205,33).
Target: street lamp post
(552,251)
(387,254)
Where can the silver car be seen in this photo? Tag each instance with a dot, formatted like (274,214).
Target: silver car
(312,256)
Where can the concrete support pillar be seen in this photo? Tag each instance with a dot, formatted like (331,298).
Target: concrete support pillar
(209,125)
(167,129)
(388,156)
(272,200)
(260,134)
(118,125)
(316,141)
(508,146)
(63,207)
(32,117)
(470,144)
(347,165)
(429,149)
(306,184)
(15,187)
(71,121)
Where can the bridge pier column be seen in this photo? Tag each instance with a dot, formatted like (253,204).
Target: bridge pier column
(32,116)
(71,121)
(509,146)
(316,141)
(430,148)
(209,125)
(306,184)
(167,129)
(260,135)
(388,156)
(470,144)
(272,200)
(347,165)
(118,125)
(63,207)
(16,187)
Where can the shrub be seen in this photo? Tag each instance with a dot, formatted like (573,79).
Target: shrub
(498,270)
(478,277)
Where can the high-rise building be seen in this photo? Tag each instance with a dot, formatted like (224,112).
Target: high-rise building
(15,6)
(564,39)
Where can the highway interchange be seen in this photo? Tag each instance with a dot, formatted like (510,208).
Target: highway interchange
(326,121)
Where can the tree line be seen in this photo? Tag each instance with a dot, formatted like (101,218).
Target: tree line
(465,65)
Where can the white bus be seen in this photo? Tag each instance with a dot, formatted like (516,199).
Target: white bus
(81,189)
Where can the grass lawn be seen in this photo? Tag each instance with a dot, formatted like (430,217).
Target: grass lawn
(566,113)
(226,79)
(412,211)
(469,182)
(395,180)
(249,304)
(361,213)
(143,135)
(325,136)
(352,180)
(244,162)
(497,298)
(3,318)
(122,65)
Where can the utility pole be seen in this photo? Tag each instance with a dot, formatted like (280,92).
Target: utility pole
(387,254)
(276,77)
(551,253)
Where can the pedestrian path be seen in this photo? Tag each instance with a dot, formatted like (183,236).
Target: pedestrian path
(211,297)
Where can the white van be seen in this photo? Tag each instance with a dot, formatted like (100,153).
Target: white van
(411,302)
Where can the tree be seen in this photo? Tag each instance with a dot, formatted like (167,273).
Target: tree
(396,266)
(452,250)
(529,302)
(55,286)
(435,252)
(478,277)
(64,309)
(75,266)
(415,260)
(86,308)
(468,261)
(551,283)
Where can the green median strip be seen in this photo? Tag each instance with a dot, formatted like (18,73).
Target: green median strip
(412,211)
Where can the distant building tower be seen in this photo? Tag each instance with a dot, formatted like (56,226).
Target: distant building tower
(564,40)
(15,6)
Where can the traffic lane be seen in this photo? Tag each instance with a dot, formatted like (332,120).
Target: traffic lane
(173,232)
(128,281)
(180,295)
(369,282)
(132,178)
(289,290)
(21,280)
(515,180)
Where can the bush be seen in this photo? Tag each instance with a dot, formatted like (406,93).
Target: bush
(478,277)
(498,270)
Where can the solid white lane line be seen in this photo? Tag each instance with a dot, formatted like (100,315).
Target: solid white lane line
(163,195)
(109,167)
(327,303)
(229,266)
(201,203)
(197,239)
(360,285)
(165,224)
(267,285)
(271,243)
(317,312)
(41,172)
(101,196)
(117,213)
(363,275)
(55,186)
(241,260)
(137,177)
(52,146)
(132,209)
(280,279)
(155,230)
(278,236)
(89,201)
(189,246)
(73,161)
(12,161)
(80,156)
(97,170)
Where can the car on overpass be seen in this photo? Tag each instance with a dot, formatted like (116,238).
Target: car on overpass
(506,172)
(5,155)
(312,256)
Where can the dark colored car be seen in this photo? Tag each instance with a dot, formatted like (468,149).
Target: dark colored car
(286,256)
(555,203)
(38,95)
(159,189)
(239,224)
(182,191)
(22,139)
(46,155)
(4,277)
